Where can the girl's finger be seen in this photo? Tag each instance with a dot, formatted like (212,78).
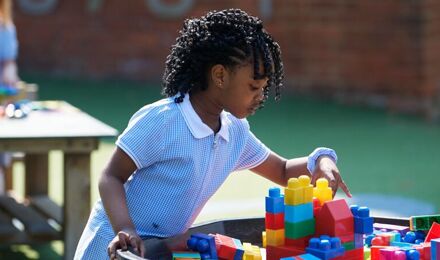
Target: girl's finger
(345,189)
(122,240)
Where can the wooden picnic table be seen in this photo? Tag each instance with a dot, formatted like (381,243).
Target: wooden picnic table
(57,126)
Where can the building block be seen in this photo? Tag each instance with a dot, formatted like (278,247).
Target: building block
(435,248)
(204,244)
(355,254)
(301,242)
(293,193)
(228,247)
(387,227)
(251,252)
(316,206)
(434,232)
(275,201)
(410,237)
(322,191)
(375,252)
(424,249)
(423,222)
(277,252)
(335,219)
(274,220)
(301,257)
(298,213)
(349,245)
(358,240)
(274,237)
(363,223)
(185,255)
(305,183)
(263,239)
(391,254)
(325,248)
(299,229)
(412,254)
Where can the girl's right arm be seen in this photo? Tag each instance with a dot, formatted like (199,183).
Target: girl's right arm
(111,189)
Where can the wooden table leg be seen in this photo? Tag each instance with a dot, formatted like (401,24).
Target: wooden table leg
(37,174)
(76,199)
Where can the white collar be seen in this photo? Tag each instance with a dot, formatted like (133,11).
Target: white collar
(195,123)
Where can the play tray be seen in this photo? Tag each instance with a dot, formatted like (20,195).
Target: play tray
(247,230)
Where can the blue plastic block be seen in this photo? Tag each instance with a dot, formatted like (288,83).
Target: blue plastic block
(413,254)
(325,248)
(298,213)
(368,240)
(402,244)
(435,248)
(358,240)
(204,244)
(240,250)
(410,237)
(363,223)
(275,201)
(308,257)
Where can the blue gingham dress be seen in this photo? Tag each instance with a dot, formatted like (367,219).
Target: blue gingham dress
(180,164)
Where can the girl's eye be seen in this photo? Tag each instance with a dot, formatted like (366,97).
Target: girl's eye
(254,87)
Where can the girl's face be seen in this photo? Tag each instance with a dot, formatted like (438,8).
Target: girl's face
(242,94)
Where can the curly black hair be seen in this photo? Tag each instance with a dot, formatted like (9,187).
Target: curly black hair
(229,37)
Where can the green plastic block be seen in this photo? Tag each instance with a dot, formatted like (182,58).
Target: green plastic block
(299,229)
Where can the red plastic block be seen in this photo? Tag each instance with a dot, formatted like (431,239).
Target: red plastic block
(375,252)
(227,248)
(274,220)
(355,254)
(335,219)
(277,252)
(300,243)
(434,232)
(316,206)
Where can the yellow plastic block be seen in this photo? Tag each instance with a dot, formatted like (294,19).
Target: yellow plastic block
(251,252)
(293,193)
(322,191)
(263,238)
(275,237)
(304,182)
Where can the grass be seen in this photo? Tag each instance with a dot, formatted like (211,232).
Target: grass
(392,156)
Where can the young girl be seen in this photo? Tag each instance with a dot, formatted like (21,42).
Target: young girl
(176,152)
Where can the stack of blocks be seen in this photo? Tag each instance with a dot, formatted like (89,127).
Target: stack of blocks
(298,209)
(274,221)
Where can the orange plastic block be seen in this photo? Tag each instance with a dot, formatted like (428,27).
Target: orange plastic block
(336,220)
(274,237)
(322,191)
(277,252)
(316,206)
(293,193)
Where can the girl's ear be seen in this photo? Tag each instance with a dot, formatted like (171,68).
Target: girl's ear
(219,75)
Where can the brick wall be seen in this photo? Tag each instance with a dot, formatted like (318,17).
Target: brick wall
(383,53)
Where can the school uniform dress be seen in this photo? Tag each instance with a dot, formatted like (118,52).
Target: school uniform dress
(180,164)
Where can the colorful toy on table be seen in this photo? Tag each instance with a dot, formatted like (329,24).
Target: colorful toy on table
(423,222)
(325,247)
(186,255)
(435,249)
(301,257)
(204,244)
(228,247)
(251,252)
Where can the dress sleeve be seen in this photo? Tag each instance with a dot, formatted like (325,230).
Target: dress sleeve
(142,140)
(254,152)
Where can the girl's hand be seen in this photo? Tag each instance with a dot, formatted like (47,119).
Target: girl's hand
(326,168)
(122,240)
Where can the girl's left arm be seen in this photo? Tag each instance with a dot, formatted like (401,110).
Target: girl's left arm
(280,170)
